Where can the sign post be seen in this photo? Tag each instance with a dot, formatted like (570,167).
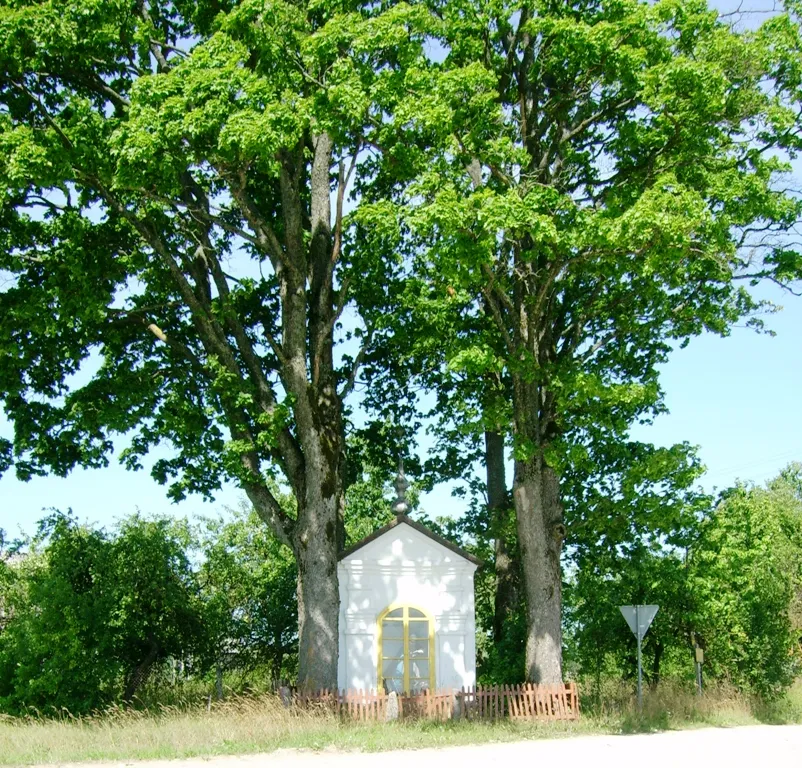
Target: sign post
(700,657)
(639,618)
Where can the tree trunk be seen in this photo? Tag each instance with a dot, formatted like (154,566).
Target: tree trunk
(318,609)
(140,674)
(498,504)
(277,660)
(658,657)
(309,314)
(218,681)
(316,548)
(541,531)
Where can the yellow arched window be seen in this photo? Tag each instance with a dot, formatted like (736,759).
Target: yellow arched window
(406,650)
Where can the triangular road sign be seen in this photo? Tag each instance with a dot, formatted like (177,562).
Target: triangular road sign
(639,617)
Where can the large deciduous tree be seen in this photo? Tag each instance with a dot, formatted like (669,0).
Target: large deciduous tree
(173,248)
(605,179)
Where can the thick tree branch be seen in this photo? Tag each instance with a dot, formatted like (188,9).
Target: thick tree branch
(498,317)
(265,237)
(358,361)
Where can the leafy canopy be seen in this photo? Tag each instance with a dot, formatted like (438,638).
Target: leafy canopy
(168,273)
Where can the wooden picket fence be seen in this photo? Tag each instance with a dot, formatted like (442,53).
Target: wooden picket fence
(521,702)
(517,702)
(369,705)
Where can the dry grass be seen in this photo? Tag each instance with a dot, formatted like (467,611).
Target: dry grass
(243,725)
(261,724)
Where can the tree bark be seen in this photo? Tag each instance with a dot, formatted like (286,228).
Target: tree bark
(140,674)
(309,314)
(541,531)
(498,503)
(315,548)
(218,681)
(658,657)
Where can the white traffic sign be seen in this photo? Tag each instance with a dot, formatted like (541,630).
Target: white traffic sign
(639,618)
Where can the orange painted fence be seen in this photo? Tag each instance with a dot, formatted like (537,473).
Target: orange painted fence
(517,702)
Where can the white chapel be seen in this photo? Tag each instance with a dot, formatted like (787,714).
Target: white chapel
(407,620)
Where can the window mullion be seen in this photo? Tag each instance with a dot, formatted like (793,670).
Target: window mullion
(406,650)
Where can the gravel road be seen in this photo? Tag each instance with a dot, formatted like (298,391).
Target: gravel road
(763,745)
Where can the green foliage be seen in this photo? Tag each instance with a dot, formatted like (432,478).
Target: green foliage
(502,661)
(368,505)
(168,235)
(88,608)
(82,610)
(729,579)
(131,138)
(248,583)
(746,578)
(600,643)
(538,218)
(630,213)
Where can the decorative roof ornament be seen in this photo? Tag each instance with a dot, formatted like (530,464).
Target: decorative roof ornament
(400,506)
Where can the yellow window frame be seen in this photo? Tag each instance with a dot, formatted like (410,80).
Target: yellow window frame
(405,618)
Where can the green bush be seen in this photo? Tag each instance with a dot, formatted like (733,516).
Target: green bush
(91,614)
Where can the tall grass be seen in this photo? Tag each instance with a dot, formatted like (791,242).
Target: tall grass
(238,725)
(677,705)
(261,724)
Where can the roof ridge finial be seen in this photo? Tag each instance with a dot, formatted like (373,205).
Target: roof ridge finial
(400,506)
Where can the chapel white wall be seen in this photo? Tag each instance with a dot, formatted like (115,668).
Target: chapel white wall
(405,567)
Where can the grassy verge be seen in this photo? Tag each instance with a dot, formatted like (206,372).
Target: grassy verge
(248,725)
(672,706)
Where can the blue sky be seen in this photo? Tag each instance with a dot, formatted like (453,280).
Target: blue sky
(739,399)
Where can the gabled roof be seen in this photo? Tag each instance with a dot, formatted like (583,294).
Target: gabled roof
(420,529)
